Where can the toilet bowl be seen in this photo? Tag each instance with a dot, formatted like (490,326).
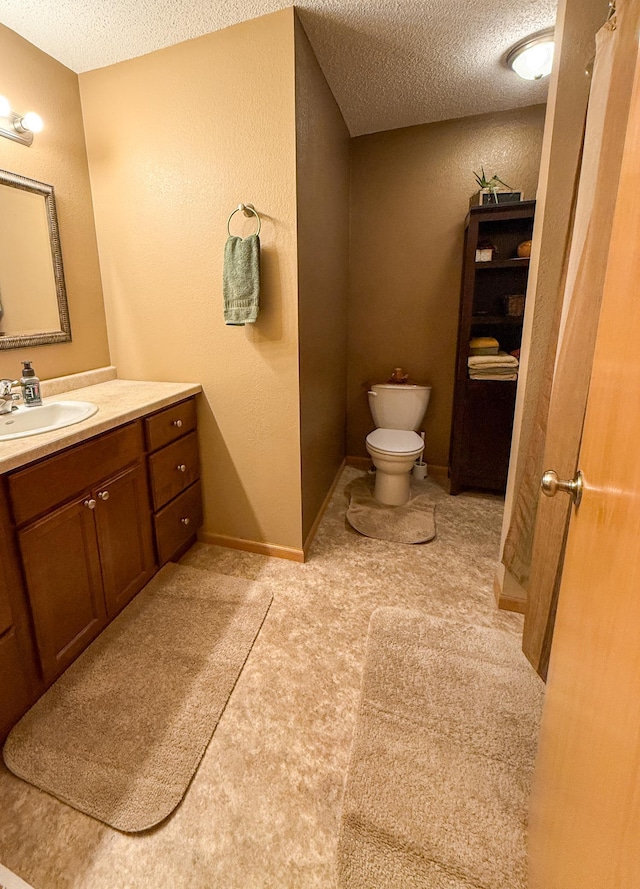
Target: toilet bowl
(397,410)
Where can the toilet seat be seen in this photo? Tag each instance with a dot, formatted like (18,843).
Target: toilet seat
(395,441)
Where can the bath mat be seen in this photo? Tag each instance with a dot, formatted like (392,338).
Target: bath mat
(442,758)
(121,733)
(412,523)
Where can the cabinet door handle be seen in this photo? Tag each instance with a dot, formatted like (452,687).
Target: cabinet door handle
(103,495)
(181,467)
(185,521)
(90,504)
(177,423)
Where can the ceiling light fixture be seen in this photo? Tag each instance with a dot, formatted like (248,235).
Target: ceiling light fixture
(532,58)
(18,127)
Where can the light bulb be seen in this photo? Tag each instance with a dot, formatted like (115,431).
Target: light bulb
(32,122)
(5,107)
(535,62)
(532,58)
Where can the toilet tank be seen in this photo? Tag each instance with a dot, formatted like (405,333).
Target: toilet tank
(398,405)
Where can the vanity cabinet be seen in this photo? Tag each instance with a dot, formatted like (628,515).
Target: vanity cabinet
(81,532)
(85,557)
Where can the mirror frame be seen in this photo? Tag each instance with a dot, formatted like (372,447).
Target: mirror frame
(17,341)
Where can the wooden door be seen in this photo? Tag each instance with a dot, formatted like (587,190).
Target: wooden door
(62,569)
(123,523)
(585,806)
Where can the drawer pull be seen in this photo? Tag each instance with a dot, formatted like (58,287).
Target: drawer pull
(181,467)
(177,423)
(103,495)
(185,521)
(90,504)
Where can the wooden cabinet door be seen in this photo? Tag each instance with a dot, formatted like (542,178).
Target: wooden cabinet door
(62,569)
(18,672)
(486,433)
(123,525)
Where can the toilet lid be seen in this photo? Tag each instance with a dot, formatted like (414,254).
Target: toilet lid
(395,441)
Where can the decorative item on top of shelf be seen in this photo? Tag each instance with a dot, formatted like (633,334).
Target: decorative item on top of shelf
(493,191)
(524,250)
(485,251)
(514,304)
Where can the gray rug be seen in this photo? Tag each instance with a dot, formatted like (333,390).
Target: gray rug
(121,733)
(441,760)
(412,523)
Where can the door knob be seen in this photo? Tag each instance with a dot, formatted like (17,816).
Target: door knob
(181,467)
(551,484)
(103,495)
(90,504)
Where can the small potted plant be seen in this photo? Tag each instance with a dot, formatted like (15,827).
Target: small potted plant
(493,191)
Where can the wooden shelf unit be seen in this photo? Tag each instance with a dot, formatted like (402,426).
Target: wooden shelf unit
(482,418)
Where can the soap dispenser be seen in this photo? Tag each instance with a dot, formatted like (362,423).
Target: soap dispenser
(30,385)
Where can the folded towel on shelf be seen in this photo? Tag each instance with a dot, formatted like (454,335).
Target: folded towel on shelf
(481,371)
(241,280)
(493,376)
(502,359)
(493,367)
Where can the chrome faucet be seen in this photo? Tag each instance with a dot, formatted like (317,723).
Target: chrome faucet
(7,396)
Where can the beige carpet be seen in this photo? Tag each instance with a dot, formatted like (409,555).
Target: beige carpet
(121,733)
(412,523)
(441,760)
(263,808)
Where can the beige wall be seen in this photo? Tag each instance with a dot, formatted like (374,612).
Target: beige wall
(176,139)
(410,195)
(33,81)
(323,266)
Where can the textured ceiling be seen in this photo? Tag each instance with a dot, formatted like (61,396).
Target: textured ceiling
(390,63)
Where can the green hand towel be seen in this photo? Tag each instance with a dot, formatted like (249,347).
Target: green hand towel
(241,280)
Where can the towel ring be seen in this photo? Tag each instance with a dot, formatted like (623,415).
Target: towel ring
(248,210)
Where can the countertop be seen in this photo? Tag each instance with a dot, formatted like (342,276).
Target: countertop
(119,402)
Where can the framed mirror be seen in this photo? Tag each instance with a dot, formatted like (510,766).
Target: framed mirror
(33,297)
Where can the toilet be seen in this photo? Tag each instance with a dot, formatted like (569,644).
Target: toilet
(397,410)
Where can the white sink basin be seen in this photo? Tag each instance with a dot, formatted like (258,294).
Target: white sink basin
(44,418)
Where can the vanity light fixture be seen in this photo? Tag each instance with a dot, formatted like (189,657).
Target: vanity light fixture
(532,58)
(18,127)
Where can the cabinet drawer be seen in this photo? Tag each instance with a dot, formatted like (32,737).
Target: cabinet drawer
(168,425)
(173,469)
(177,522)
(45,485)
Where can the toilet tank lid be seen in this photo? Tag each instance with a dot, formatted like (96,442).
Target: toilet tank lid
(398,386)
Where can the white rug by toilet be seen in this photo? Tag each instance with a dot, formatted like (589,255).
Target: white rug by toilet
(412,523)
